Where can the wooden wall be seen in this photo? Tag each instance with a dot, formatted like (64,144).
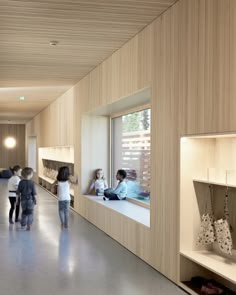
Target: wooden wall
(188,59)
(55,125)
(11,157)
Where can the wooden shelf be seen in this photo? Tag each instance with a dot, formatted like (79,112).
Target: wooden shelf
(49,180)
(66,161)
(187,289)
(214,183)
(222,266)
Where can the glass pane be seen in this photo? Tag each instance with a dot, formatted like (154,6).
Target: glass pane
(131,151)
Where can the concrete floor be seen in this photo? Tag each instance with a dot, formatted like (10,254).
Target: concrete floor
(82,260)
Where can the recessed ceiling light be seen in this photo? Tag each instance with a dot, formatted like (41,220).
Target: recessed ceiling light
(53,43)
(21,98)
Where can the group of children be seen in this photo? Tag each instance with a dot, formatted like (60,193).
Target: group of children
(99,184)
(22,191)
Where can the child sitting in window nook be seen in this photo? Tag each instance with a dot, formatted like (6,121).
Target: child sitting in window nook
(99,183)
(120,192)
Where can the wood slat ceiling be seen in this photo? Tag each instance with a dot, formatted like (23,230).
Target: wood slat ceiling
(87,31)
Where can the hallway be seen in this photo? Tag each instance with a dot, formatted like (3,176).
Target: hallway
(82,260)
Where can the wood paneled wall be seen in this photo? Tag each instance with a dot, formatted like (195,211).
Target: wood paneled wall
(55,125)
(14,156)
(188,58)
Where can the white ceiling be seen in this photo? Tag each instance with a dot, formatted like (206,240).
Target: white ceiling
(87,31)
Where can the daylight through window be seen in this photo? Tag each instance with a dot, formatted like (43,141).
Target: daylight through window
(131,151)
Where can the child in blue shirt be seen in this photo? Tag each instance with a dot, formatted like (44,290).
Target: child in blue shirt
(120,192)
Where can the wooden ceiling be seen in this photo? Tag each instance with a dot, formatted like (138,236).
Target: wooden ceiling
(87,31)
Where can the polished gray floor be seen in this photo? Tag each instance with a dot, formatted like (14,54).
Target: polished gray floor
(82,260)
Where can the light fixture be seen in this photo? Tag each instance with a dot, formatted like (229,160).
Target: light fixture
(10,142)
(21,98)
(53,43)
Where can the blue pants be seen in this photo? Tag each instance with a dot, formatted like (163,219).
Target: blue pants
(27,219)
(64,207)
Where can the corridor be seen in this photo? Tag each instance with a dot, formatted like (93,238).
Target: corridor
(82,260)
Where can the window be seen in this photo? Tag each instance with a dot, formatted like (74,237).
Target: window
(131,152)
(32,152)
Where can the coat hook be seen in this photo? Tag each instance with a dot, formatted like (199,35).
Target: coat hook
(227,189)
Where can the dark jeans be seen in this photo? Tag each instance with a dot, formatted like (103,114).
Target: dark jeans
(13,207)
(111,196)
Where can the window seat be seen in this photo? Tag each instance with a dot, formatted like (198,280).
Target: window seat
(126,208)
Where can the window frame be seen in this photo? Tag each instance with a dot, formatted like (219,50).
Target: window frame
(117,115)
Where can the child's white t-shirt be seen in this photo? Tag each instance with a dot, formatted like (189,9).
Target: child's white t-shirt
(63,191)
(100,184)
(13,183)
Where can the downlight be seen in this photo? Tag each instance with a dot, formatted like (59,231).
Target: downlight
(53,43)
(10,142)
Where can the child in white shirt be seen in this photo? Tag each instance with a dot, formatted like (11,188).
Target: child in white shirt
(64,179)
(13,183)
(99,183)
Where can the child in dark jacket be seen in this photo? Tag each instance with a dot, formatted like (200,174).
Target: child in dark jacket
(27,196)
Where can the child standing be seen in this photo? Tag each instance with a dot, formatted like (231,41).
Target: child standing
(99,183)
(27,196)
(120,192)
(13,183)
(63,192)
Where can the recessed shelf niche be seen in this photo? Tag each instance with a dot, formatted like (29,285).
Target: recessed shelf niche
(50,160)
(207,162)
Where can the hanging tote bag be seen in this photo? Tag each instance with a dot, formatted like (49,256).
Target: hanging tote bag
(222,228)
(206,234)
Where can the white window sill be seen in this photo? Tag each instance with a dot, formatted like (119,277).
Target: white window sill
(126,208)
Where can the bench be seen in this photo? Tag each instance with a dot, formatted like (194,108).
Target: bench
(126,208)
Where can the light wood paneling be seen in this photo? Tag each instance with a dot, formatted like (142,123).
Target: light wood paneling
(36,99)
(55,125)
(87,32)
(187,56)
(11,157)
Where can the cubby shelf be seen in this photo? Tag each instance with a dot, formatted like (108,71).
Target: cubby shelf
(214,183)
(187,288)
(222,266)
(49,180)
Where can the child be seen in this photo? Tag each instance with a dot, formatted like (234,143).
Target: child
(13,183)
(99,183)
(120,192)
(63,193)
(27,195)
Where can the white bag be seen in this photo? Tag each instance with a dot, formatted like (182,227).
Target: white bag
(206,234)
(223,234)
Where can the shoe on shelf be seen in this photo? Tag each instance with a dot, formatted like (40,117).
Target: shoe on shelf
(211,289)
(217,289)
